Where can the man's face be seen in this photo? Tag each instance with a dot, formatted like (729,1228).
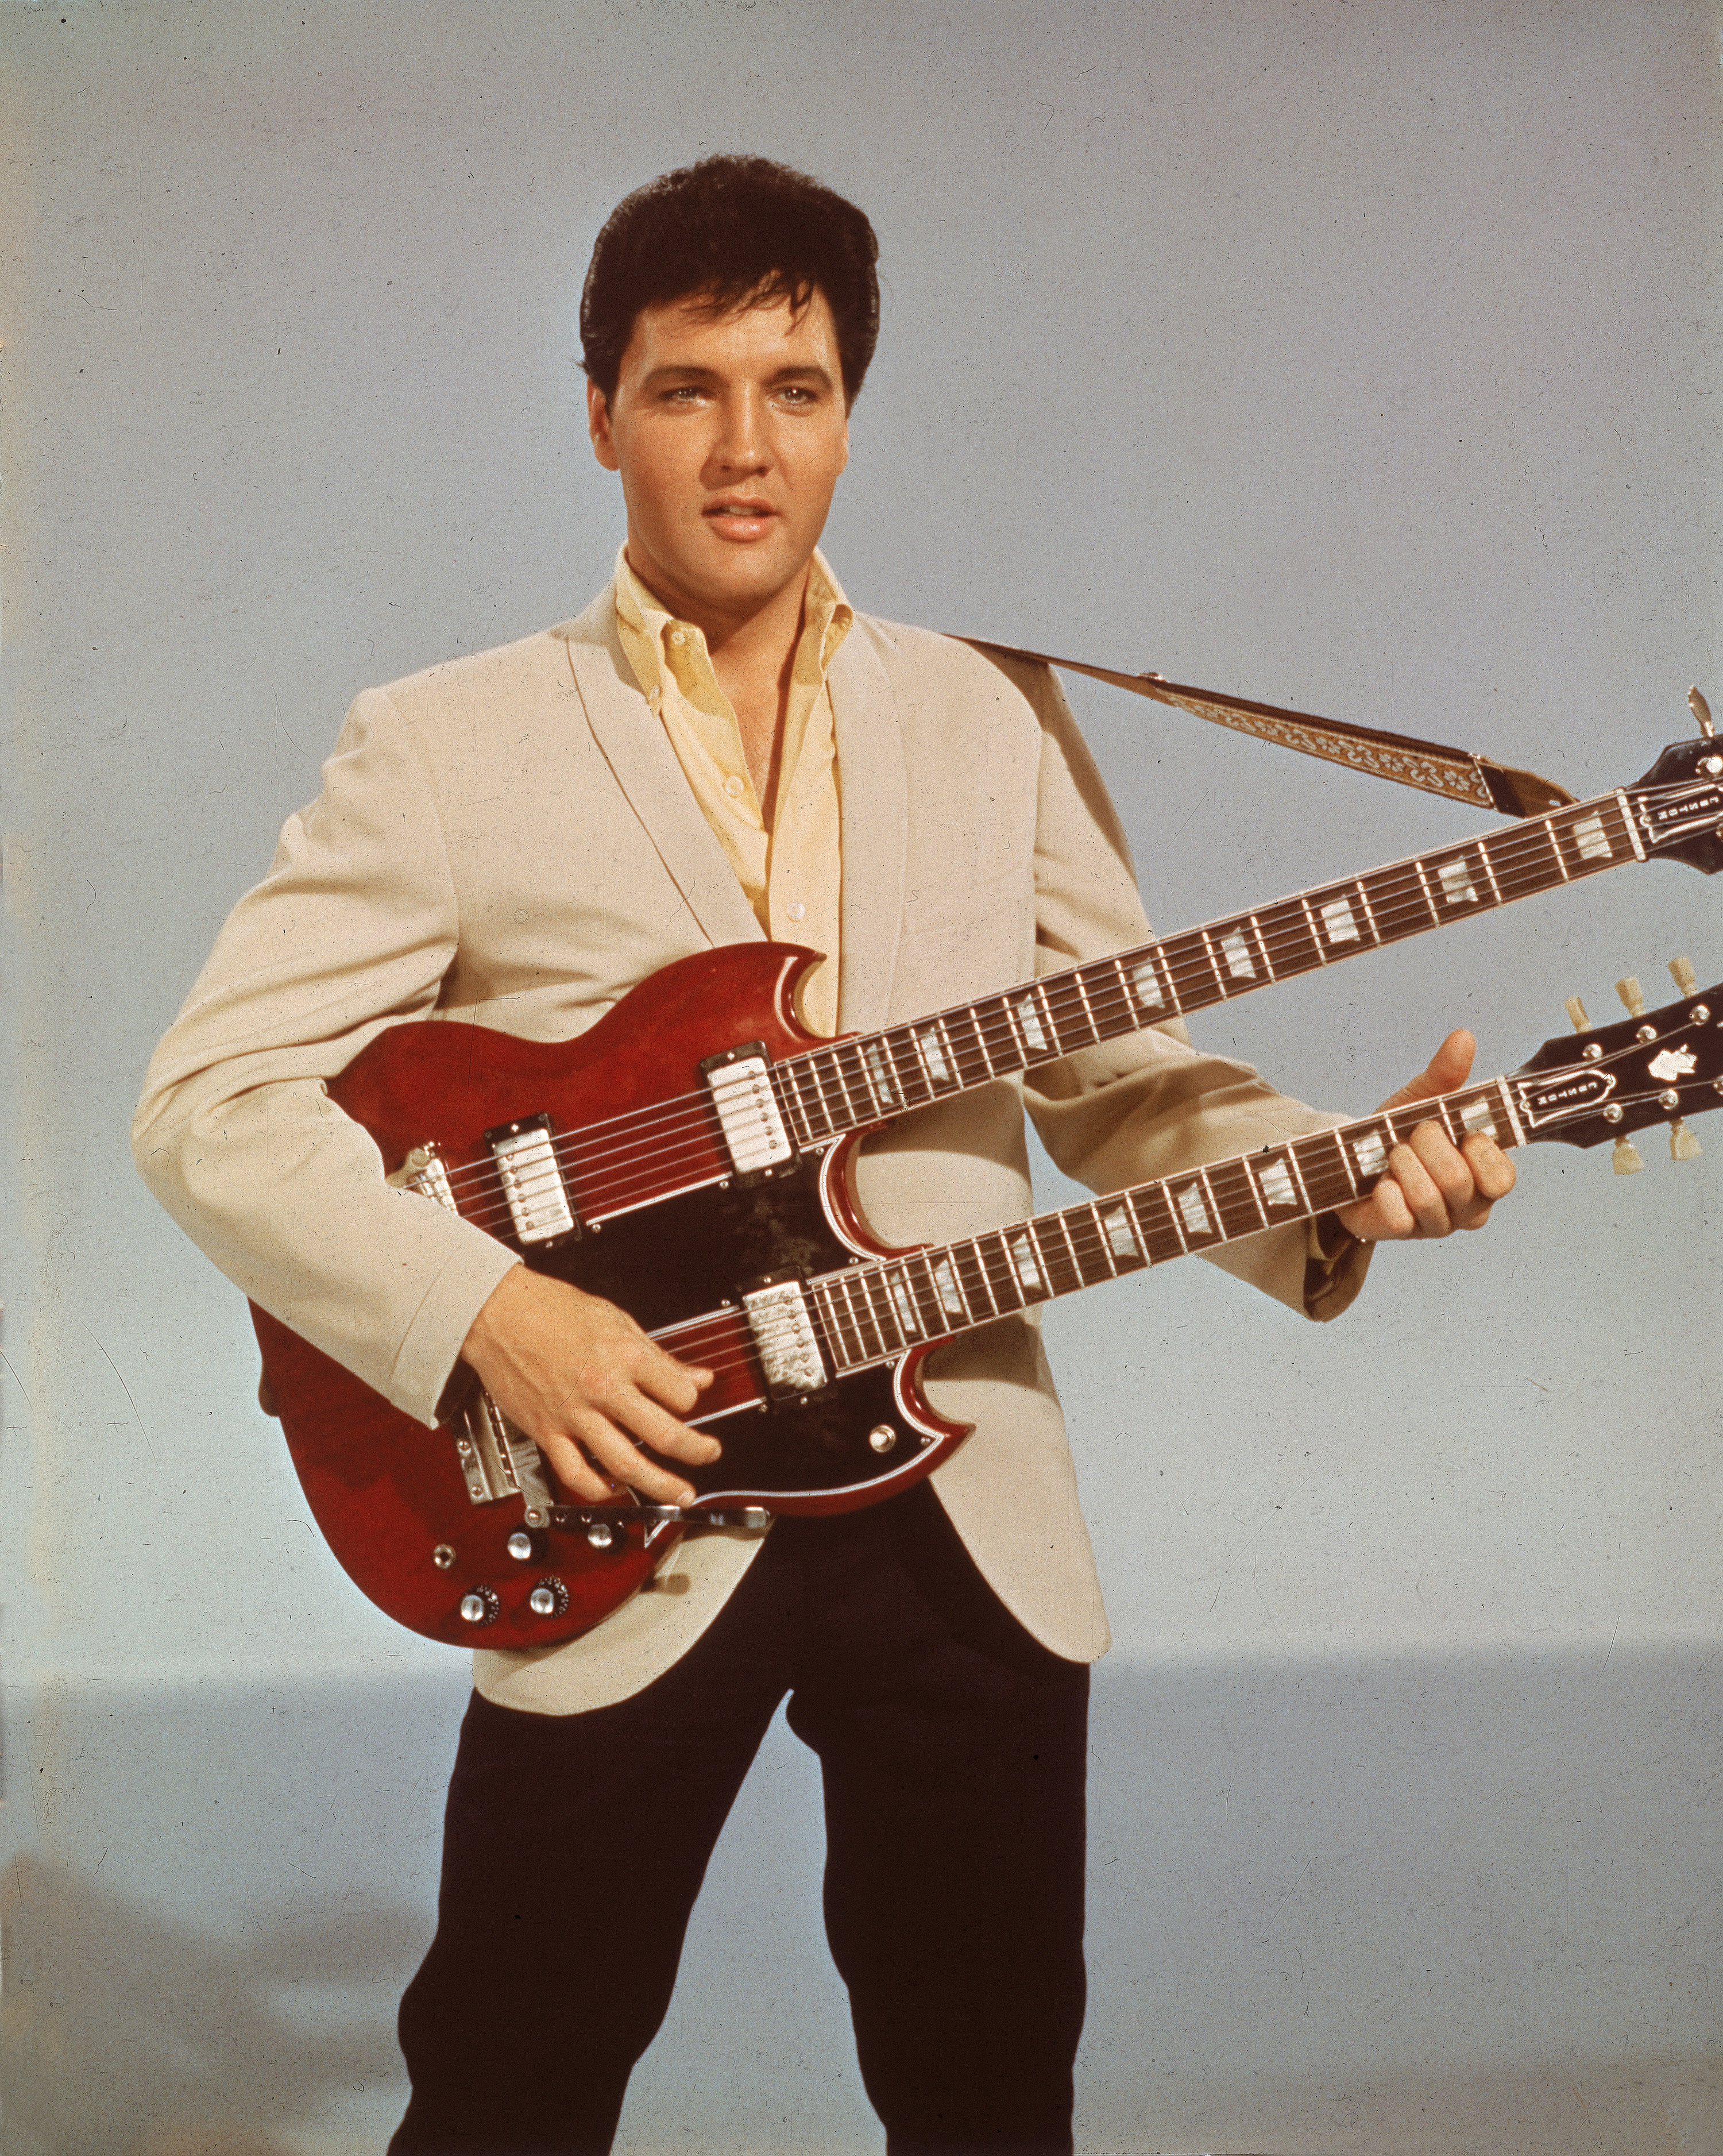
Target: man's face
(729,432)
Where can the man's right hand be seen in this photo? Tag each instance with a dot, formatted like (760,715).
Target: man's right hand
(582,1379)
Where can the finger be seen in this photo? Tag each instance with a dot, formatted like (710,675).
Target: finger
(1492,1171)
(673,1384)
(1449,1067)
(614,1454)
(1425,1199)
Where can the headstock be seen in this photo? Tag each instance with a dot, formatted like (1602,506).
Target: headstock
(1677,807)
(1653,1067)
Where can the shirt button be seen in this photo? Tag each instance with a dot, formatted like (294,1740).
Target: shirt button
(796,909)
(733,787)
(678,636)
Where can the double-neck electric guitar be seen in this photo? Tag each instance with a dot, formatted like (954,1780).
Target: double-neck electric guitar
(689,1158)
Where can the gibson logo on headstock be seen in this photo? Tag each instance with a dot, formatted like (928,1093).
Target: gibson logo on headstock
(1580,1090)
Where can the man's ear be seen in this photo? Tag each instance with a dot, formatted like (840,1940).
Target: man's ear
(599,427)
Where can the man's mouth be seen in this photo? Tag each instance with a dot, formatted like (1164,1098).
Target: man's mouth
(739,521)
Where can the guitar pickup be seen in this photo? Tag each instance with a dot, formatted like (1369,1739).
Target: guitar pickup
(784,1338)
(531,1177)
(740,1081)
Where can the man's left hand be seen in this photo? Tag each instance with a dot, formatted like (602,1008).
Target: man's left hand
(1431,1186)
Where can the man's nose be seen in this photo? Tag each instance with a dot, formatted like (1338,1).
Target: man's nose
(741,440)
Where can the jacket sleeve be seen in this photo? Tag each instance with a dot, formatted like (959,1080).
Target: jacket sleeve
(351,930)
(1148,1105)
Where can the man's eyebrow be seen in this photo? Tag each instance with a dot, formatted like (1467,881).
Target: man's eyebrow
(674,371)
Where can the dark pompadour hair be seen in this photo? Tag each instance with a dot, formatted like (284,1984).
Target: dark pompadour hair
(734,230)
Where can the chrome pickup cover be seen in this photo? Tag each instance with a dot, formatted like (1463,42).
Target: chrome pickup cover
(785,1338)
(754,1133)
(525,1156)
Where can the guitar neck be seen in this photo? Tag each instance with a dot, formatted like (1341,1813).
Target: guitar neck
(846,1084)
(875,1313)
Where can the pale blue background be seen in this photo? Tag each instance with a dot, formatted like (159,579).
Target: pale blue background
(1359,357)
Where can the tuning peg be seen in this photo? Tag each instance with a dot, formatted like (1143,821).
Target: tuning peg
(1627,1157)
(1683,1144)
(1682,973)
(1701,711)
(1577,1012)
(1632,995)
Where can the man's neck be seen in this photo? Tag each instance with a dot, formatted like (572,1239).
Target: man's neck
(752,653)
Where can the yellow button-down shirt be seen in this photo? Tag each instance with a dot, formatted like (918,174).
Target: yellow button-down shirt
(787,854)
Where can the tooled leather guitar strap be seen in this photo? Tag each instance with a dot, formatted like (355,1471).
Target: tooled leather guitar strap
(1457,773)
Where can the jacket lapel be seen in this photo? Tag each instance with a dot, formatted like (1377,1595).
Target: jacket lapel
(644,765)
(874,790)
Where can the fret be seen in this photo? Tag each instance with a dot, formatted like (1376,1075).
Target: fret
(1455,883)
(880,1073)
(877,1315)
(972,1276)
(1059,1260)
(786,1081)
(918,1272)
(1190,966)
(1342,920)
(1107,998)
(1397,903)
(977,1045)
(1238,953)
(1147,981)
(1001,1275)
(1065,999)
(1279,1188)
(1289,937)
(1325,1170)
(1584,840)
(905,1311)
(833,1122)
(1153,1209)
(1518,869)
(1121,1240)
(1628,824)
(1236,1203)
(832,1298)
(858,1308)
(1032,1026)
(912,1088)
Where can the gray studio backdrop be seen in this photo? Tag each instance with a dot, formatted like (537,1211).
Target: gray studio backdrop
(1359,357)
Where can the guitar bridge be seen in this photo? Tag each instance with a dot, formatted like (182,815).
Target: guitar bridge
(739,1082)
(498,1461)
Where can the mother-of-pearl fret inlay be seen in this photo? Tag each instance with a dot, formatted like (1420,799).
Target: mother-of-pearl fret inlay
(1026,1261)
(1457,885)
(1591,840)
(884,1078)
(907,1317)
(1341,921)
(1477,1116)
(1146,980)
(1028,1019)
(1237,952)
(1121,1236)
(1370,1152)
(933,1055)
(951,1296)
(1195,1212)
(1275,1185)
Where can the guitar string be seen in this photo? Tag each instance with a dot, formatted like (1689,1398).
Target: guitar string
(736,1339)
(689,1116)
(619,1174)
(640,1169)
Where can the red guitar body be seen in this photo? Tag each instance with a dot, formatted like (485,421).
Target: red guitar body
(394,1500)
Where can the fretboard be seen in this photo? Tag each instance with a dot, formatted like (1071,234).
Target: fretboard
(844,1084)
(872,1313)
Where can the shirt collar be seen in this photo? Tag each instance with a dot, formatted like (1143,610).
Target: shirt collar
(662,649)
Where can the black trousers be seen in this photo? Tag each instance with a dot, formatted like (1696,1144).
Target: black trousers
(952,1748)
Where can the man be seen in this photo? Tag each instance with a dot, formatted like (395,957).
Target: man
(720,747)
